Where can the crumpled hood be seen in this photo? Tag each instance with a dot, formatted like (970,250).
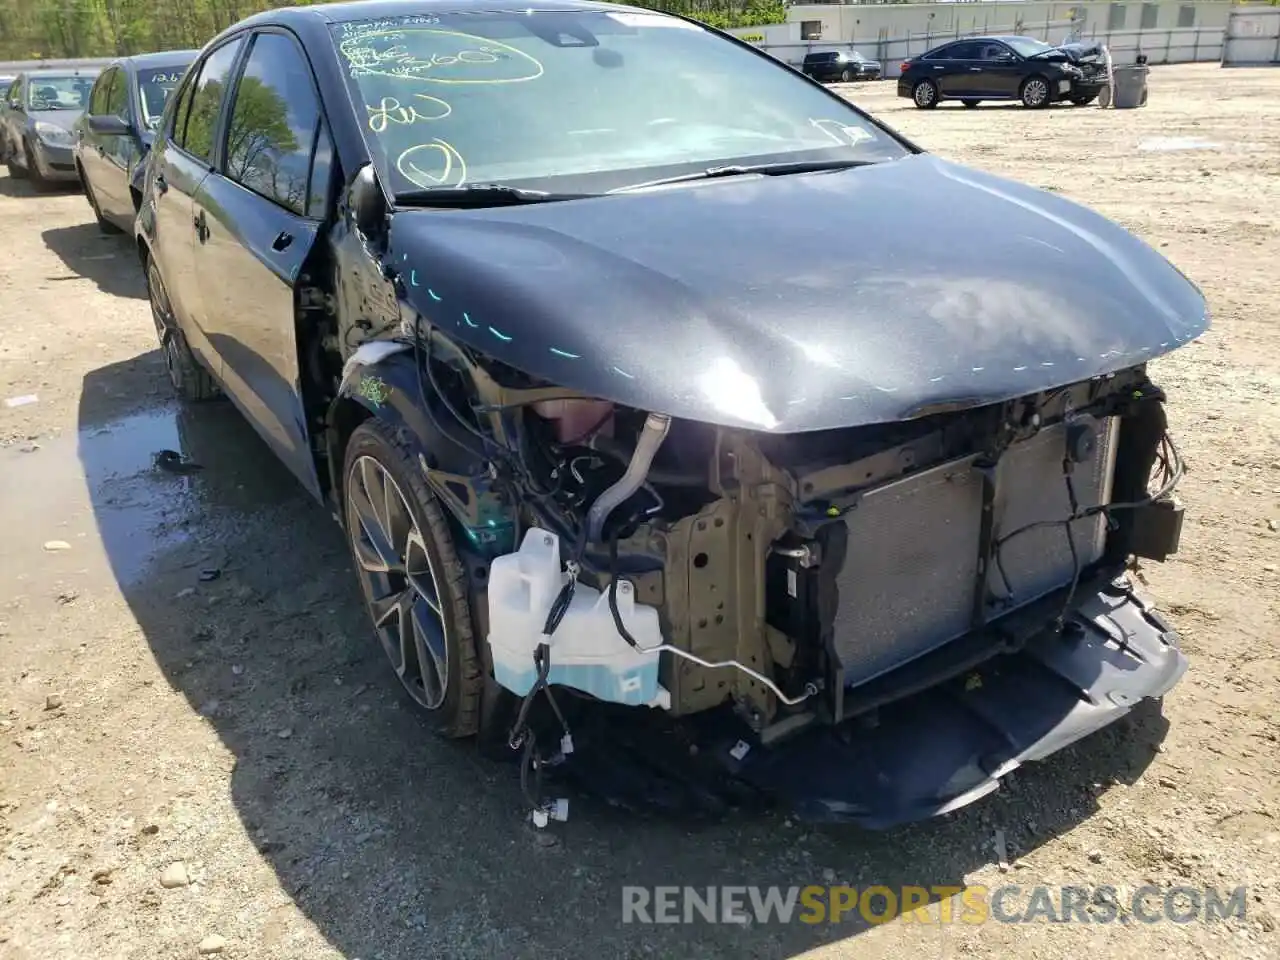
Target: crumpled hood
(801,302)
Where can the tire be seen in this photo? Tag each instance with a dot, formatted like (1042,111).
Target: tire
(33,172)
(1104,97)
(190,380)
(1036,93)
(381,462)
(846,76)
(971,103)
(105,225)
(925,95)
(1084,100)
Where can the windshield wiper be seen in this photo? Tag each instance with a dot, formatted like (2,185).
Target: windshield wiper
(480,195)
(739,170)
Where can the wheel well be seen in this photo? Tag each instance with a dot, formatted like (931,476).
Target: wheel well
(344,417)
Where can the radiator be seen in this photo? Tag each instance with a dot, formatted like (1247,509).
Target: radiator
(908,579)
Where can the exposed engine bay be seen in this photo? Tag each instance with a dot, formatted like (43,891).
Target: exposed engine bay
(792,581)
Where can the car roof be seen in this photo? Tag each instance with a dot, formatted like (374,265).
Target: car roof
(390,9)
(62,72)
(166,58)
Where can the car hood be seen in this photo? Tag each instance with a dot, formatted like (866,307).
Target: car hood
(65,119)
(748,302)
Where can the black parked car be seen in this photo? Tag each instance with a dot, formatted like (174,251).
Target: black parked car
(463,266)
(118,128)
(844,67)
(1000,68)
(36,120)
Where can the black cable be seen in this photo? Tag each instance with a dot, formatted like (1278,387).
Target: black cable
(613,591)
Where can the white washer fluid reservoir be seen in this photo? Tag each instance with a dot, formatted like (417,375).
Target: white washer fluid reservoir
(587,651)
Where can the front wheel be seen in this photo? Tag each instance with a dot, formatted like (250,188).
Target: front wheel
(414,586)
(846,76)
(37,179)
(1035,92)
(925,95)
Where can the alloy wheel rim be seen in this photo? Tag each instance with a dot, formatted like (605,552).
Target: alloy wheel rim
(924,94)
(400,585)
(1036,91)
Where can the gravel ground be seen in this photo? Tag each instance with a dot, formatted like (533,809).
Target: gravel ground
(245,730)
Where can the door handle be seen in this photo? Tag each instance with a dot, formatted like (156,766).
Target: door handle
(975,69)
(282,242)
(161,184)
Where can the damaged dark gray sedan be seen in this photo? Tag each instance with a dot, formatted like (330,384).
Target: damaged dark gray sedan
(647,484)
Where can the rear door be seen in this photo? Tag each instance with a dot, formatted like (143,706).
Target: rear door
(185,159)
(260,217)
(11,119)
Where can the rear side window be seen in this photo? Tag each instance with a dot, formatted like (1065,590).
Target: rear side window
(272,129)
(964,51)
(206,102)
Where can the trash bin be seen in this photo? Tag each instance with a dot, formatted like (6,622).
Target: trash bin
(1129,86)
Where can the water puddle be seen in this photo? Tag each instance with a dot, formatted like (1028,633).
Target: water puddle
(102,494)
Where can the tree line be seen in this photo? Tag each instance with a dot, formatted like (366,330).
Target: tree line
(38,29)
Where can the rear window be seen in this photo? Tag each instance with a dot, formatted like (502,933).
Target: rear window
(155,87)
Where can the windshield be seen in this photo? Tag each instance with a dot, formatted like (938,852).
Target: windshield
(58,93)
(582,101)
(154,89)
(1028,47)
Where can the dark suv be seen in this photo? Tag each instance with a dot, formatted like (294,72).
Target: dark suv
(844,67)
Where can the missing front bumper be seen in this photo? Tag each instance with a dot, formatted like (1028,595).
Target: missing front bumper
(949,743)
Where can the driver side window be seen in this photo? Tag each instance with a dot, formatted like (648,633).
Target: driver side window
(101,91)
(118,97)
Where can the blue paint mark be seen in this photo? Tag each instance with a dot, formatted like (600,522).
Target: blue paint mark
(405,256)
(413,277)
(470,322)
(500,335)
(623,373)
(978,369)
(566,354)
(1046,363)
(433,295)
(1019,369)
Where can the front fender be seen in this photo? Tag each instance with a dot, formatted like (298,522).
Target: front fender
(381,380)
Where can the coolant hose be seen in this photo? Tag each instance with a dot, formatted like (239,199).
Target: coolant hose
(654,432)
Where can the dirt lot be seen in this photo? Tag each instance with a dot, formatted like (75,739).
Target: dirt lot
(247,727)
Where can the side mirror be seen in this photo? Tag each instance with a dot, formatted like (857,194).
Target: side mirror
(367,203)
(108,125)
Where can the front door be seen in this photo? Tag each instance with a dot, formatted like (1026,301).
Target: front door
(105,157)
(1002,70)
(183,165)
(962,73)
(259,219)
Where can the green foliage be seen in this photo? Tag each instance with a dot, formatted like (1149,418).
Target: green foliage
(31,29)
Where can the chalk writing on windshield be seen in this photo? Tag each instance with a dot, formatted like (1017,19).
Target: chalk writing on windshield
(390,110)
(436,163)
(360,28)
(437,56)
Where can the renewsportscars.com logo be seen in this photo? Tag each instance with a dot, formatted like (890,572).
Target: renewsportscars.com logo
(935,904)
